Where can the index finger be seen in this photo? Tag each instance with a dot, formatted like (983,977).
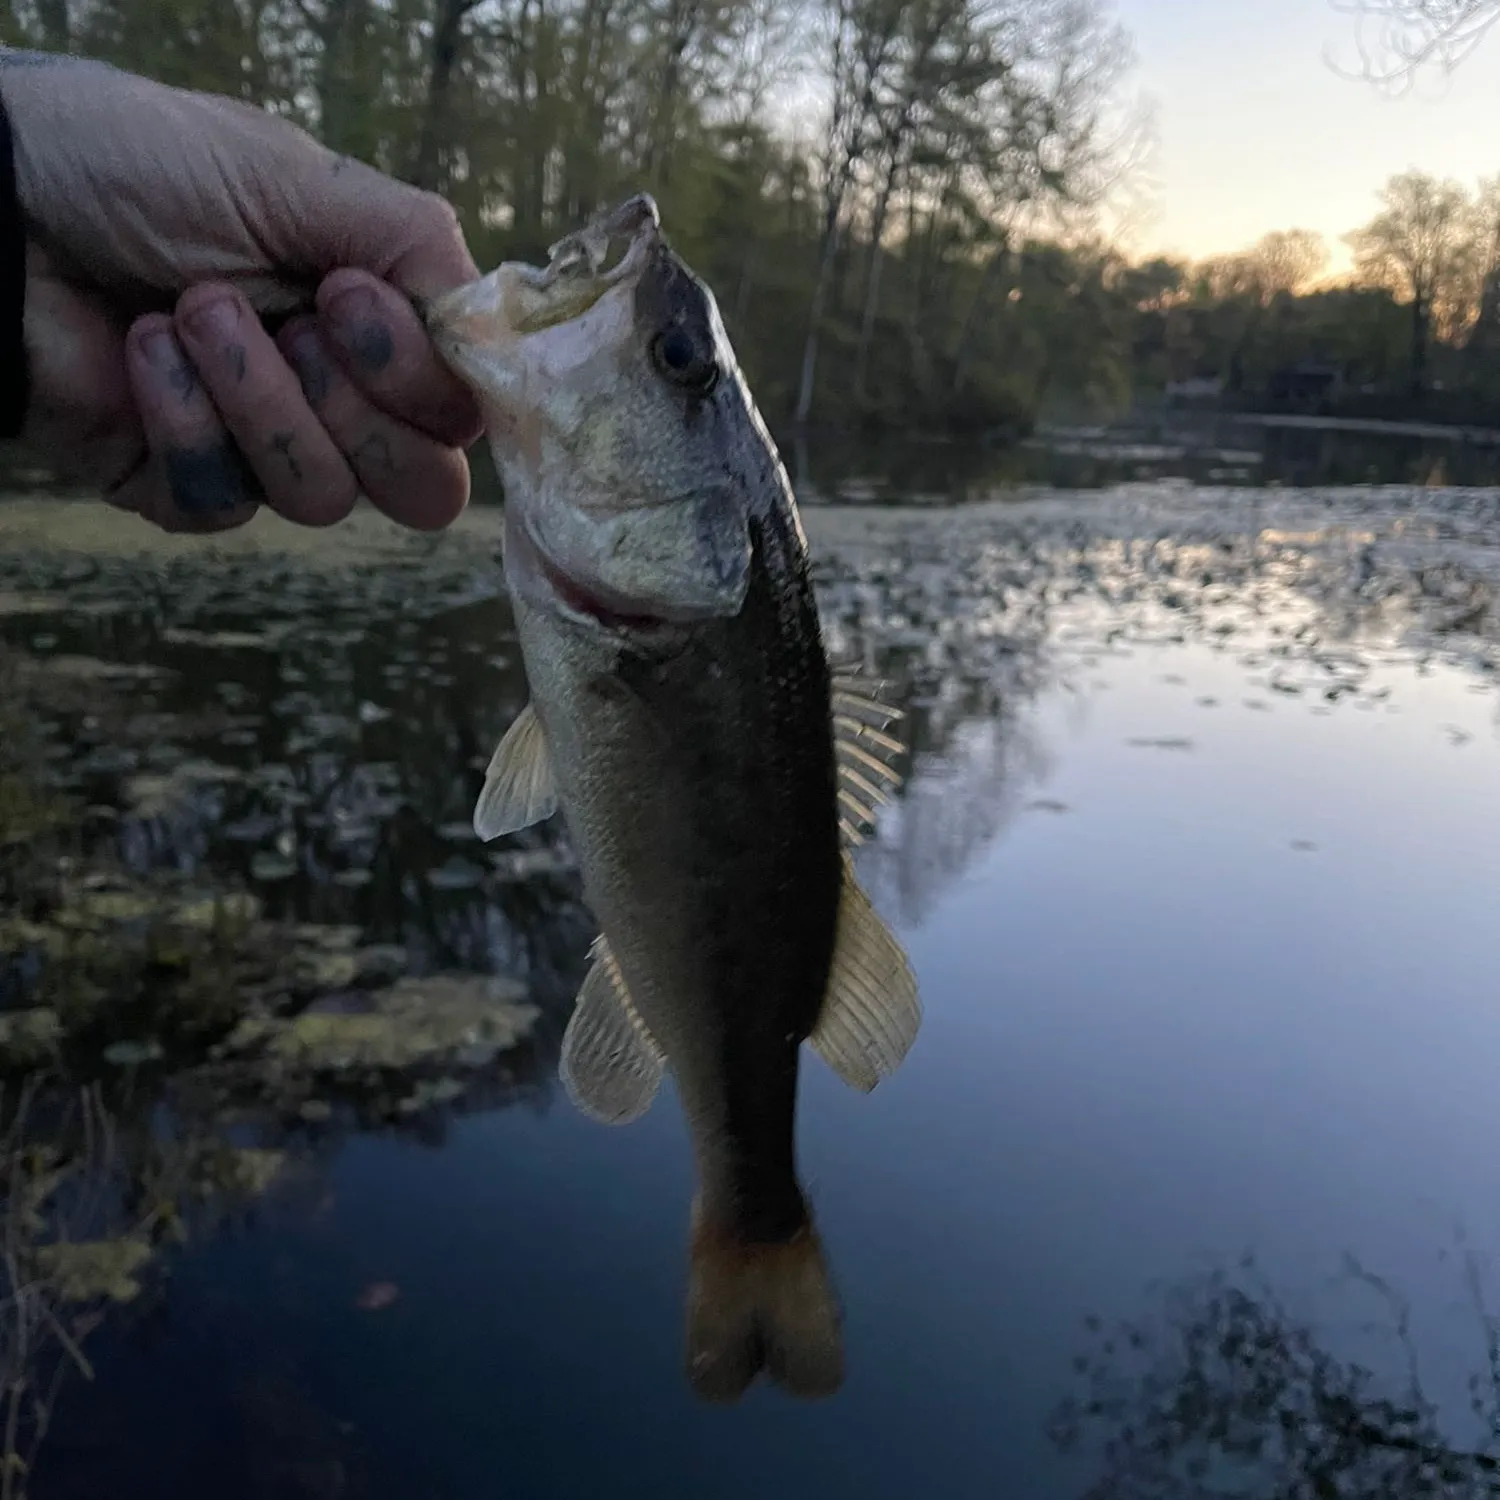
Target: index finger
(386,351)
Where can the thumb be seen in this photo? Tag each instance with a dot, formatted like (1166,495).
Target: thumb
(348,214)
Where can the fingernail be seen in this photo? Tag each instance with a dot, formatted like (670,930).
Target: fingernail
(355,325)
(303,348)
(164,354)
(219,319)
(158,346)
(210,481)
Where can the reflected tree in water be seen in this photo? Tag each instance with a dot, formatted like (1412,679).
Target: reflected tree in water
(961,647)
(1228,1392)
(90,1197)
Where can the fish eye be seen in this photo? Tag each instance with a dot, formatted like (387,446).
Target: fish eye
(676,355)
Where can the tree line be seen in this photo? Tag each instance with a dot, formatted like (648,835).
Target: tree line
(1415,328)
(897,202)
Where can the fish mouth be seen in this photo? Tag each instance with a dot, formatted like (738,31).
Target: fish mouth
(517,299)
(595,604)
(598,606)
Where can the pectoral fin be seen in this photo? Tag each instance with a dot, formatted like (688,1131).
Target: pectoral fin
(518,787)
(871,1012)
(611,1065)
(863,751)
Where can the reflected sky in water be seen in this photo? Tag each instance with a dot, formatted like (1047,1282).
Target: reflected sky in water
(1207,943)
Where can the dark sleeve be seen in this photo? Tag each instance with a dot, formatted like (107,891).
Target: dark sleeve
(15,375)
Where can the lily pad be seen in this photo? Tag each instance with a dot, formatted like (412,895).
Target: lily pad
(455,875)
(256,1169)
(471,1018)
(89,1270)
(224,640)
(269,866)
(235,907)
(27,1035)
(133,1054)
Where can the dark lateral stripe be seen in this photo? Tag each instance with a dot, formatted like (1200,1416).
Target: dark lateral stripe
(15,373)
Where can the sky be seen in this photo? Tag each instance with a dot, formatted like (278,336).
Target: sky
(1255,131)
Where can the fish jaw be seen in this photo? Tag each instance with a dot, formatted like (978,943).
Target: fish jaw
(553,576)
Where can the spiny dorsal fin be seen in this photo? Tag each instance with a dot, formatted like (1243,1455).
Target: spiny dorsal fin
(518,787)
(863,752)
(871,1012)
(611,1065)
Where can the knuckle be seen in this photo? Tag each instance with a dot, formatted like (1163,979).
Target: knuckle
(435,215)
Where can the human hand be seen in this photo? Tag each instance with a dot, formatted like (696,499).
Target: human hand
(162,226)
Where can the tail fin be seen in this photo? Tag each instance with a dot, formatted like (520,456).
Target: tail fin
(754,1307)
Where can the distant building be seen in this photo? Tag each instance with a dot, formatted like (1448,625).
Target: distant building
(1196,388)
(1306,381)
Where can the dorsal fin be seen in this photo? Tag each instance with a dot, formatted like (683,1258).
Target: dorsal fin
(518,787)
(611,1064)
(871,1012)
(863,750)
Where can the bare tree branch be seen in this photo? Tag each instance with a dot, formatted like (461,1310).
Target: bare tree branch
(1397,39)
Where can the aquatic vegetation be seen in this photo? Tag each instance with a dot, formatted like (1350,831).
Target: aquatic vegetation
(89,1203)
(90,1270)
(447,1019)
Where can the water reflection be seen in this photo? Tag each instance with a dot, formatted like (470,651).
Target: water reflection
(1206,449)
(1227,1390)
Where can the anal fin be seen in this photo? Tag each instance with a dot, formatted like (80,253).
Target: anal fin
(871,1012)
(611,1064)
(519,789)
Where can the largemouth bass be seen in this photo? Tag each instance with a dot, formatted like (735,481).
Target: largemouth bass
(711,767)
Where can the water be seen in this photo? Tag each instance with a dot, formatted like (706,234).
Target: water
(1198,882)
(1202,447)
(1199,446)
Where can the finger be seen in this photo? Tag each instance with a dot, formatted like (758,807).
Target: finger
(385,349)
(303,475)
(196,479)
(414,480)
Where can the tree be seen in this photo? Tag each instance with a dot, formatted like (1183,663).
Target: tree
(1484,338)
(1420,246)
(1286,261)
(1410,35)
(872,263)
(861,43)
(448,40)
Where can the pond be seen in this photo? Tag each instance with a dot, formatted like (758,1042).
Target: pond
(1217,448)
(1188,1185)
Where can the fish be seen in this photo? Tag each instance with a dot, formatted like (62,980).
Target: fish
(713,766)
